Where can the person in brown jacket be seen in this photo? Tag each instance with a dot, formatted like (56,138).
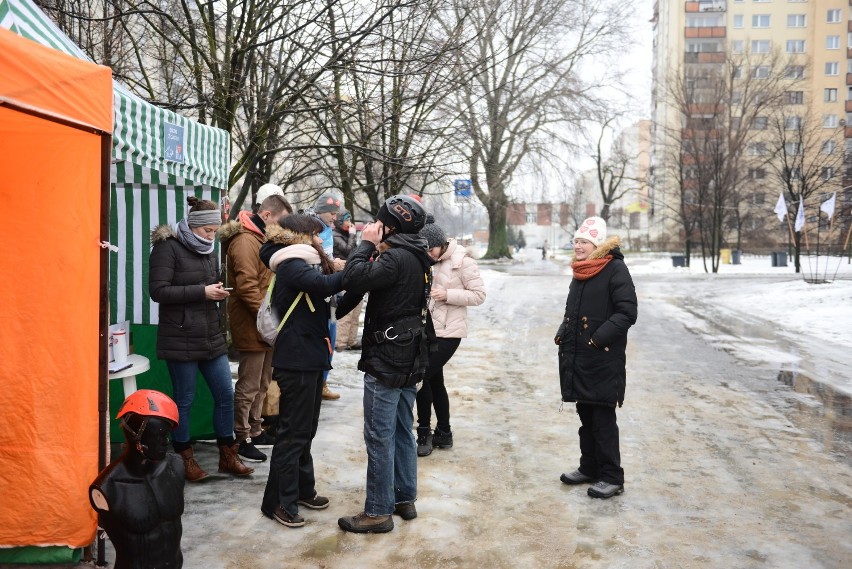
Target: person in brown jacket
(249,277)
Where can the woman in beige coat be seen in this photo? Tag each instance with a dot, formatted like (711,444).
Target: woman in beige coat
(456,284)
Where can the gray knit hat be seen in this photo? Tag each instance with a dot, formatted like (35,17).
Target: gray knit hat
(433,234)
(327,203)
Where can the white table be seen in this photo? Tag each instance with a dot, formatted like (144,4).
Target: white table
(139,364)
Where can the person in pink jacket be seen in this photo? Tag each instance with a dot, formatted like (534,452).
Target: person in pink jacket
(456,284)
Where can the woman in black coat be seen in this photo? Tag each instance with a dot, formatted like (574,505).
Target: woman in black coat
(592,339)
(304,278)
(184,279)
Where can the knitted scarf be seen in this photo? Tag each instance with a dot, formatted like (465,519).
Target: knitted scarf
(192,241)
(584,270)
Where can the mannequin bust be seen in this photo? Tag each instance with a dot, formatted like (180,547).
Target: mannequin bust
(139,496)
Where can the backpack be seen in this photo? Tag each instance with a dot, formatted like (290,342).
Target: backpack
(269,323)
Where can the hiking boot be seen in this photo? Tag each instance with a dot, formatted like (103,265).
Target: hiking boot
(249,452)
(604,490)
(328,394)
(441,439)
(424,441)
(362,523)
(575,477)
(230,463)
(192,472)
(264,439)
(405,510)
(282,517)
(316,503)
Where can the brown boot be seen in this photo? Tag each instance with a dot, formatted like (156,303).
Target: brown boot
(192,471)
(230,463)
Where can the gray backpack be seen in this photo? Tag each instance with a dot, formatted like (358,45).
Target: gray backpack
(269,323)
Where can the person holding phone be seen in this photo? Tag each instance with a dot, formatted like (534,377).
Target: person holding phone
(184,279)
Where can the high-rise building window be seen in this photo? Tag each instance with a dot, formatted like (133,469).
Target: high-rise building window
(849,39)
(737,46)
(759,123)
(795,71)
(795,46)
(832,42)
(832,68)
(756,148)
(760,46)
(792,123)
(827,173)
(760,21)
(849,66)
(833,16)
(828,147)
(793,148)
(829,95)
(829,121)
(795,20)
(738,21)
(761,72)
(795,97)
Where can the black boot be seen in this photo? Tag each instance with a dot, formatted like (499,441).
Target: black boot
(424,441)
(441,439)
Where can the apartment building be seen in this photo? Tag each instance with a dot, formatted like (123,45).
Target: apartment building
(814,38)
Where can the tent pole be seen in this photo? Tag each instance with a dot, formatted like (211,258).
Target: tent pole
(103,313)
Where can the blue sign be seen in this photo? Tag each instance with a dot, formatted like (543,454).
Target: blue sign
(463,188)
(174,142)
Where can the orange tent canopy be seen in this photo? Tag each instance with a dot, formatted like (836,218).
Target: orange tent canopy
(55,120)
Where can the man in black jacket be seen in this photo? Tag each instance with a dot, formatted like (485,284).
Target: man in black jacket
(391,264)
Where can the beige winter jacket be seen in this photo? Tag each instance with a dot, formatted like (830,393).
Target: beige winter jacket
(458,273)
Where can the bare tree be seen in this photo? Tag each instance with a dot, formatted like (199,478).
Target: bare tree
(519,86)
(615,176)
(724,104)
(807,159)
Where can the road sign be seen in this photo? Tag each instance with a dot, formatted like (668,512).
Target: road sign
(463,188)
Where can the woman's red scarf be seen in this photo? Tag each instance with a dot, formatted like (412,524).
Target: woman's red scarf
(584,270)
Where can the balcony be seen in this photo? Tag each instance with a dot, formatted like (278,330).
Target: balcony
(847,131)
(708,32)
(849,78)
(849,106)
(712,6)
(704,57)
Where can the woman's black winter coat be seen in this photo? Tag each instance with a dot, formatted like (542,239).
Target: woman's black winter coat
(191,327)
(602,309)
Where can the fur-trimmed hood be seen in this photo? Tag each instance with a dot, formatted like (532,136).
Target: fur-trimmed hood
(161,233)
(281,236)
(608,247)
(229,230)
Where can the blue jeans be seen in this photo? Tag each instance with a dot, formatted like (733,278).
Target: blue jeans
(391,448)
(332,336)
(217,374)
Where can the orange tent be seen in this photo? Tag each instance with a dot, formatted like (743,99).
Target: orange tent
(56,117)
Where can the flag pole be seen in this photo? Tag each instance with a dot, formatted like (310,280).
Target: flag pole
(790,225)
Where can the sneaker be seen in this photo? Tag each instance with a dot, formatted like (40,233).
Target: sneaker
(440,439)
(282,517)
(362,523)
(424,442)
(249,452)
(328,394)
(604,490)
(264,439)
(405,510)
(575,477)
(316,503)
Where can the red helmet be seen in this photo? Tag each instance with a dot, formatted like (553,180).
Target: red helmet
(149,403)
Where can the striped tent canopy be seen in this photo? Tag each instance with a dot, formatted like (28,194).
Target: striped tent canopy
(159,158)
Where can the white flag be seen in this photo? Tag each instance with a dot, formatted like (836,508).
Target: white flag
(800,216)
(828,205)
(781,208)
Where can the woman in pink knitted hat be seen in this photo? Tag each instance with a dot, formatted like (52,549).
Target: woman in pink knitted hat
(592,338)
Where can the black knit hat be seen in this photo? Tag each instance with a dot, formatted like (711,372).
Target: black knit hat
(434,235)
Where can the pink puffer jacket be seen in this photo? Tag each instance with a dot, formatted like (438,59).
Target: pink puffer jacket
(458,273)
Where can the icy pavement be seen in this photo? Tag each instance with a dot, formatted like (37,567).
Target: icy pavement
(721,469)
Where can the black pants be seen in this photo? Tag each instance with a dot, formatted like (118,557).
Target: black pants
(291,468)
(599,454)
(433,391)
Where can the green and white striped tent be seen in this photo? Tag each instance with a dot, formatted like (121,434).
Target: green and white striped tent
(159,158)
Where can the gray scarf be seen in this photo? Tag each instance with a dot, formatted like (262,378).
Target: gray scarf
(192,241)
